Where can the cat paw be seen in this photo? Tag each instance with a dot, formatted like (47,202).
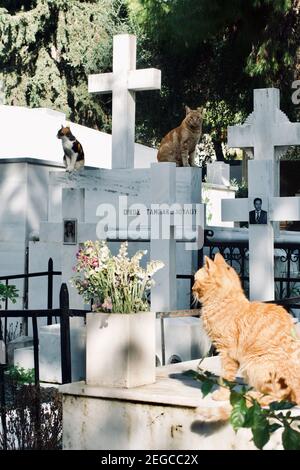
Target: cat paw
(221,394)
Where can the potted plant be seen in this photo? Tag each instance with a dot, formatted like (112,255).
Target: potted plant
(120,329)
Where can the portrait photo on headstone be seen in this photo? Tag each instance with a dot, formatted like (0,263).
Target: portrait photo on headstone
(70,231)
(258,211)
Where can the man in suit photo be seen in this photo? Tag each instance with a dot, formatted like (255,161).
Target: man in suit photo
(258,216)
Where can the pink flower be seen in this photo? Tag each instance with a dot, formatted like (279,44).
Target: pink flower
(107,304)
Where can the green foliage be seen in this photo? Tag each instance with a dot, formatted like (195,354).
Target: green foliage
(210,53)
(218,116)
(215,53)
(8,292)
(247,412)
(21,375)
(47,49)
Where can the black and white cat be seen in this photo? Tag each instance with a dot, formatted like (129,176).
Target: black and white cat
(73,151)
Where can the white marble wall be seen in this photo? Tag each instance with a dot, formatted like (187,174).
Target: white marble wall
(212,195)
(37,129)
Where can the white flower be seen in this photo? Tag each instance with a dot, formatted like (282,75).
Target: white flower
(153,267)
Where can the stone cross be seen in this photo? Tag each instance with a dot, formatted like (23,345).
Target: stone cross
(266,129)
(164,293)
(123,82)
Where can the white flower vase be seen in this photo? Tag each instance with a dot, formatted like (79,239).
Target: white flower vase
(120,349)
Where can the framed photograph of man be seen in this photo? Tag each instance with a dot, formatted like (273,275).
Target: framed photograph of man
(70,231)
(258,211)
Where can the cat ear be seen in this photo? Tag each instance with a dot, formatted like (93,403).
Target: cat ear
(187,110)
(209,264)
(62,126)
(219,259)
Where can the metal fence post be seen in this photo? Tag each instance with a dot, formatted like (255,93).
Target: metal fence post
(36,350)
(163,343)
(25,293)
(2,396)
(50,289)
(65,343)
(3,406)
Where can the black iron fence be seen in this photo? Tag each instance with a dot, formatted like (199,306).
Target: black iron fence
(49,274)
(63,313)
(287,264)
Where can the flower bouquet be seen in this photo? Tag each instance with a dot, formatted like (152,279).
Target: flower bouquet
(120,329)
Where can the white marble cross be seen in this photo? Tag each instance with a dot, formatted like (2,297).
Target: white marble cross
(264,130)
(123,82)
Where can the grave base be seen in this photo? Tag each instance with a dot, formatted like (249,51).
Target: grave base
(50,353)
(168,415)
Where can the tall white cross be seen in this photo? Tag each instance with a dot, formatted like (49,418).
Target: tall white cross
(123,82)
(265,130)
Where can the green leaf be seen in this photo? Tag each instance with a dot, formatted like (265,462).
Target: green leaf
(249,418)
(260,429)
(295,418)
(235,397)
(238,414)
(206,387)
(290,439)
(281,405)
(273,427)
(191,373)
(228,383)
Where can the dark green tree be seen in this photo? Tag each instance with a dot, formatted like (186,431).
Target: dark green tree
(47,49)
(211,52)
(215,52)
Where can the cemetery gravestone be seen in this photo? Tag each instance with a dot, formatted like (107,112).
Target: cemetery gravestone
(266,129)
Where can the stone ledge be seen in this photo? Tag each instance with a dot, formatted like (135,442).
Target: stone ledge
(171,388)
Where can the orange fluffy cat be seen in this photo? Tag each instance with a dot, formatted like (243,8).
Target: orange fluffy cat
(179,145)
(255,337)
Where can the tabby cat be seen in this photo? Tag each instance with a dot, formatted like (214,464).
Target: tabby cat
(179,145)
(257,338)
(73,151)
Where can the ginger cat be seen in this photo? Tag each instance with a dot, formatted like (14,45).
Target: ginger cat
(179,145)
(256,337)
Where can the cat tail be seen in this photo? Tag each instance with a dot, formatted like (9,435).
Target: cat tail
(214,414)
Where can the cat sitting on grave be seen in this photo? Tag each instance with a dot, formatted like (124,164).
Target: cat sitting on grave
(73,151)
(179,145)
(257,338)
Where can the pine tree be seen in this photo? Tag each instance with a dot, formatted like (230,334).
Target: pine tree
(48,48)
